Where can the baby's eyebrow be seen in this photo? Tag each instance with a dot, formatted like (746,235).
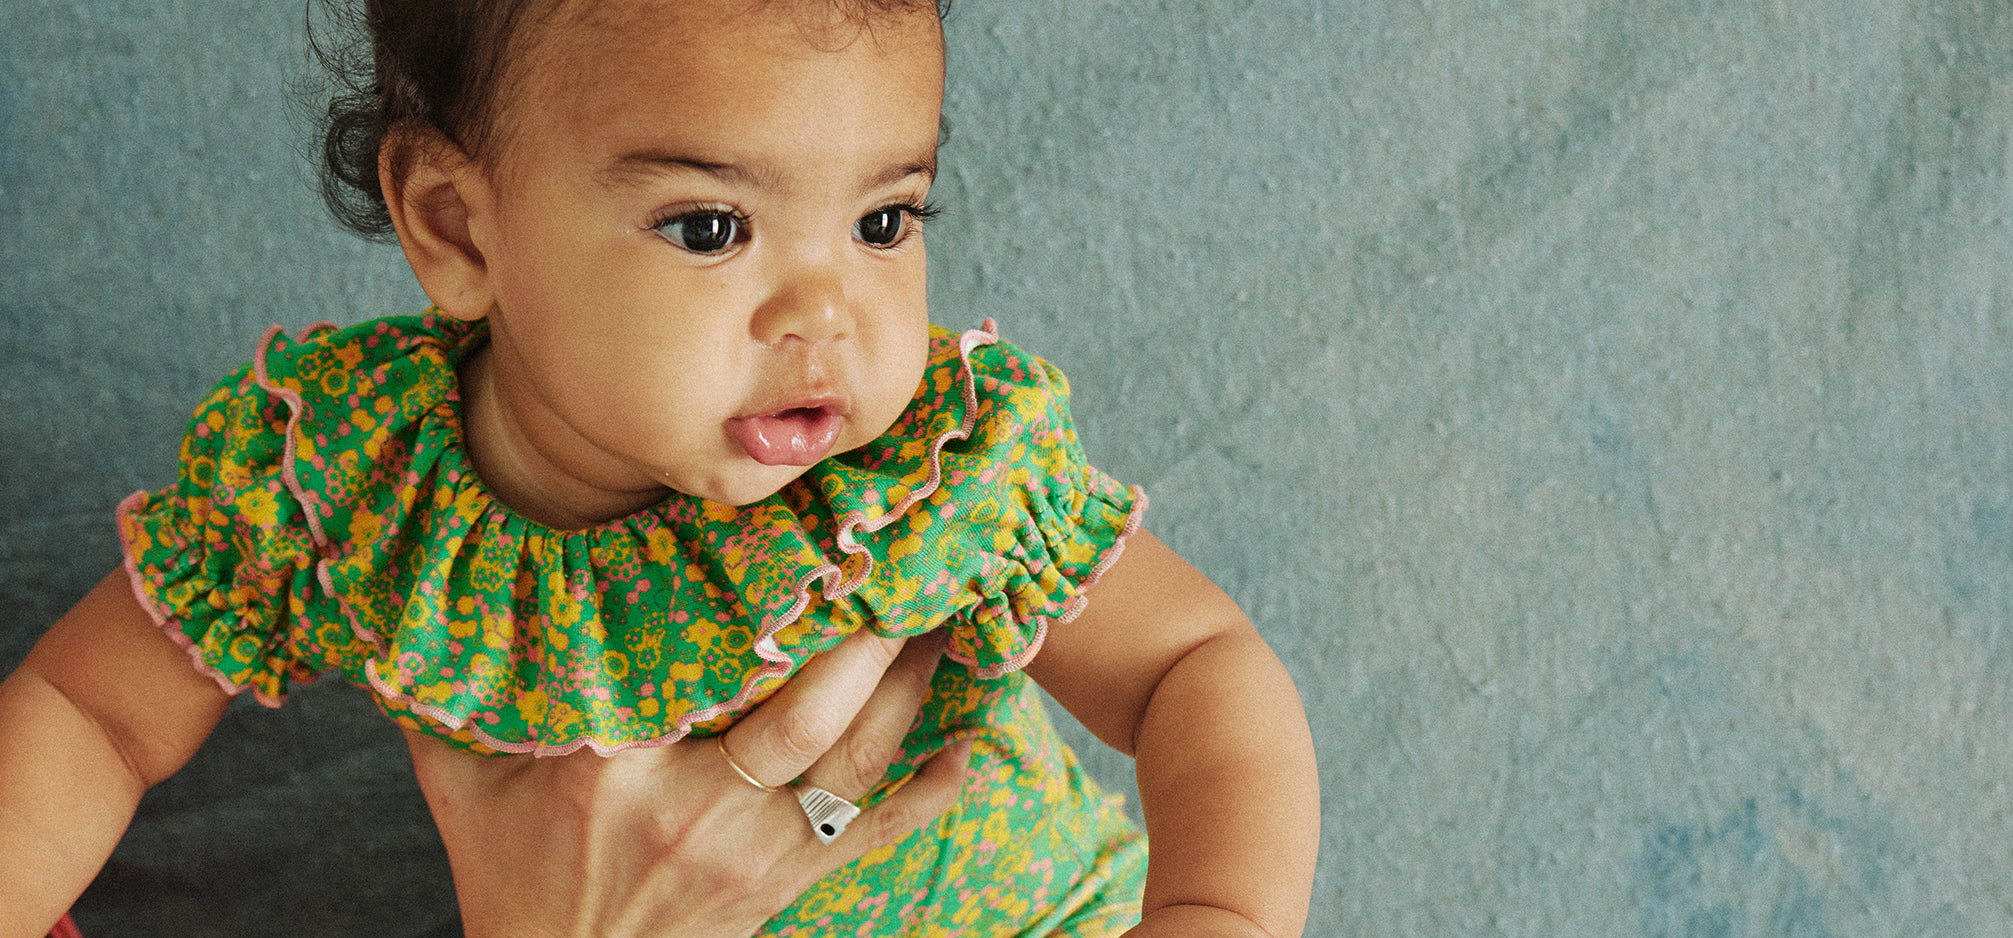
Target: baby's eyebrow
(651,162)
(926,168)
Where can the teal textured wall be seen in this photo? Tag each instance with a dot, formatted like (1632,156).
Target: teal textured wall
(1602,405)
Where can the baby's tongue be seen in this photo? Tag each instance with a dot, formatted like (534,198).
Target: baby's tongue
(798,437)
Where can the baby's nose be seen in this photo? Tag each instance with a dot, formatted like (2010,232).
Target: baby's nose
(810,306)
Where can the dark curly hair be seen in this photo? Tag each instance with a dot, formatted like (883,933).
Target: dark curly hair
(435,63)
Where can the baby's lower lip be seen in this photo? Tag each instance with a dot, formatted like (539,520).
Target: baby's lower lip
(799,436)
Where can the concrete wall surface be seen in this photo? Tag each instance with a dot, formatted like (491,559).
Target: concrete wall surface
(1603,406)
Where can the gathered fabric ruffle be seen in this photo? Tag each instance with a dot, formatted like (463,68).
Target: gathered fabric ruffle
(327,519)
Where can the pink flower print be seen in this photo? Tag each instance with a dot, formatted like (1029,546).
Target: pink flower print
(580,586)
(742,550)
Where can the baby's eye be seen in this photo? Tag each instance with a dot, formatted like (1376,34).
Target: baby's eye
(707,232)
(881,227)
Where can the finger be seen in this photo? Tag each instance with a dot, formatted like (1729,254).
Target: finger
(860,759)
(790,730)
(923,799)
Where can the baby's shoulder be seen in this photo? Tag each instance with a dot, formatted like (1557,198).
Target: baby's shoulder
(329,384)
(360,365)
(308,429)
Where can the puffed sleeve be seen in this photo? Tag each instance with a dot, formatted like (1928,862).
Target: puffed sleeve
(220,556)
(233,560)
(1013,525)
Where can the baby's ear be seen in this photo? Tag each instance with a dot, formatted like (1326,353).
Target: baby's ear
(430,187)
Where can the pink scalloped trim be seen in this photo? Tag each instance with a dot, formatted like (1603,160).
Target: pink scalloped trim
(296,410)
(986,334)
(171,626)
(1076,604)
(779,662)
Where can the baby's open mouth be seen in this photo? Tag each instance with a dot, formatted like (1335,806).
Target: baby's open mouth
(792,436)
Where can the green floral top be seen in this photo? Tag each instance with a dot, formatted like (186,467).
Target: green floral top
(327,519)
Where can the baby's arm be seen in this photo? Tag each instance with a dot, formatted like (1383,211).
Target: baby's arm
(1163,666)
(105,706)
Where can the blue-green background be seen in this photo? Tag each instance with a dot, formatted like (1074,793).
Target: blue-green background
(1602,405)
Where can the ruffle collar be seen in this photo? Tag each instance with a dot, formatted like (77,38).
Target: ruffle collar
(975,511)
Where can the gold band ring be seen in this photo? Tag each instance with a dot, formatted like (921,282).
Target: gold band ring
(721,742)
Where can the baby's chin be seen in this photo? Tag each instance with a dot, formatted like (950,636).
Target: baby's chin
(747,487)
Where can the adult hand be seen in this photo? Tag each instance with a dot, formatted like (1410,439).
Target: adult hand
(671,840)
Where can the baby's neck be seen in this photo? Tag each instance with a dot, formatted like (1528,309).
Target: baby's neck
(514,470)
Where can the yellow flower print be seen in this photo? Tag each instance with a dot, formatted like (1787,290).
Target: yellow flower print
(548,661)
(259,507)
(435,694)
(566,611)
(333,635)
(881,854)
(531,707)
(563,718)
(483,669)
(232,474)
(335,382)
(373,446)
(998,826)
(660,546)
(245,648)
(905,547)
(364,527)
(983,512)
(202,470)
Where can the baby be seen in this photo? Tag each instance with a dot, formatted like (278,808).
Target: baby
(676,423)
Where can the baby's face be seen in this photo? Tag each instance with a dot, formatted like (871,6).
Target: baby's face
(707,275)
